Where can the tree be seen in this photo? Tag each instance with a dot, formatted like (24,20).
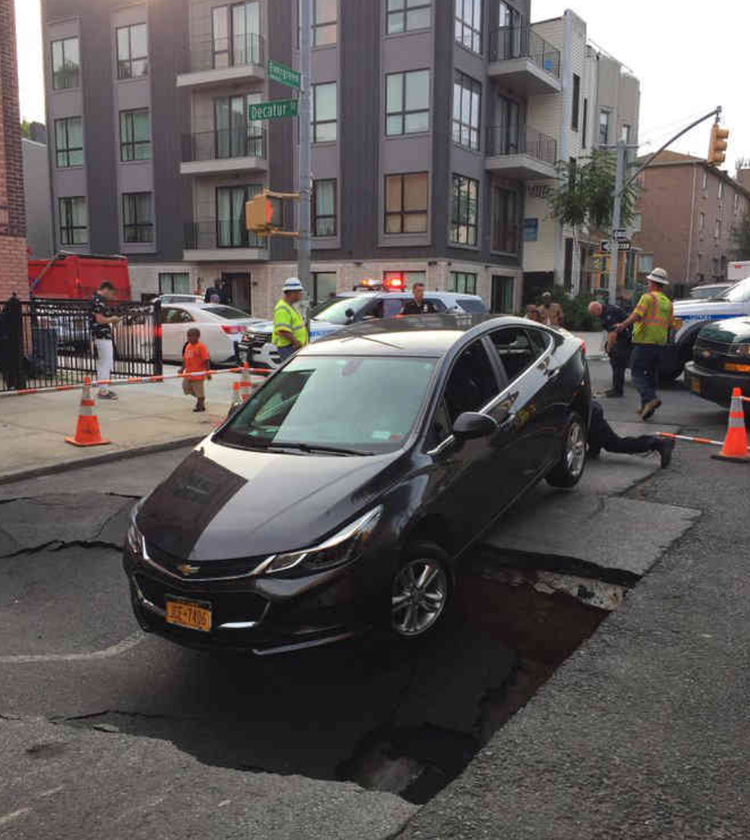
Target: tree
(26,129)
(586,193)
(741,239)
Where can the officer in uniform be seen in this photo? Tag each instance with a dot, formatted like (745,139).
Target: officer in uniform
(289,329)
(619,345)
(653,319)
(603,436)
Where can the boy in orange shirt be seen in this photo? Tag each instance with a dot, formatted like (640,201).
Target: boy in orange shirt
(195,358)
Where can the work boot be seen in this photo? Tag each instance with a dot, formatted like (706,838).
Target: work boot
(665,448)
(650,408)
(613,392)
(200,405)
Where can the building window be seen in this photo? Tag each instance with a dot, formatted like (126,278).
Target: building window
(469,24)
(467,111)
(74,226)
(405,15)
(236,42)
(407,102)
(705,179)
(132,51)
(406,203)
(637,222)
(531,230)
(135,135)
(603,128)
(324,286)
(717,229)
(645,263)
(625,133)
(235,135)
(137,217)
(325,15)
(702,222)
(69,142)
(174,283)
(576,101)
(463,283)
(505,218)
(465,211)
(324,208)
(325,127)
(584,135)
(721,189)
(66,64)
(736,203)
(231,231)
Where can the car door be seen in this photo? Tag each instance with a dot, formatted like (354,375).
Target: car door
(466,489)
(175,324)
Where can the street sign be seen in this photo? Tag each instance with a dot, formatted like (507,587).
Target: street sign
(620,234)
(273,110)
(284,75)
(624,245)
(606,246)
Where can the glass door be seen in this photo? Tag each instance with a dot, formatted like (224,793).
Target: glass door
(245,31)
(508,119)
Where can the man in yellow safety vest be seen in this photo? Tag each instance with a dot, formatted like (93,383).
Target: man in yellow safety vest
(289,329)
(653,319)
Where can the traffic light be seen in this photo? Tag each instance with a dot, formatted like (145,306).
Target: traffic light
(717,151)
(264,214)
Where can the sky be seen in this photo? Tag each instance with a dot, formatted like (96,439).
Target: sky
(688,63)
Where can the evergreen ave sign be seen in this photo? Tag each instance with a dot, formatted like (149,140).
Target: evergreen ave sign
(273,110)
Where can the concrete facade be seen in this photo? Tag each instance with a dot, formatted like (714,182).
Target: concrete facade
(38,194)
(688,210)
(13,257)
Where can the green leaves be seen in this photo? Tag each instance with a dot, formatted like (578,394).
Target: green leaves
(741,239)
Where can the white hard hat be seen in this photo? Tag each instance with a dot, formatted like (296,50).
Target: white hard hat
(660,276)
(293,284)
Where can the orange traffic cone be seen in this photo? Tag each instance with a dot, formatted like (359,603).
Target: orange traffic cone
(246,383)
(236,399)
(87,432)
(735,446)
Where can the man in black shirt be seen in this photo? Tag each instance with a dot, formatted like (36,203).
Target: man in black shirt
(100,323)
(619,346)
(603,436)
(418,305)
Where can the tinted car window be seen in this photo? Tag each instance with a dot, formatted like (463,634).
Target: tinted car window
(167,315)
(472,382)
(335,312)
(438,304)
(227,312)
(475,307)
(392,307)
(515,350)
(540,340)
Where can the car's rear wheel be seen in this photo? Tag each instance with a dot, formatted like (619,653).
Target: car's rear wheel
(569,469)
(421,591)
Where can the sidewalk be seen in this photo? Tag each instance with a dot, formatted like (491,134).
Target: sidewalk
(33,428)
(595,344)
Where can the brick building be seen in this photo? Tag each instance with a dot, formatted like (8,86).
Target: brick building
(13,271)
(686,216)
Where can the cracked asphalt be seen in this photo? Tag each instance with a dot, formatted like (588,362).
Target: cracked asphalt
(109,730)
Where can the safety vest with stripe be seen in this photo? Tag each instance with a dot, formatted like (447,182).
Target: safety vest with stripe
(287,316)
(656,311)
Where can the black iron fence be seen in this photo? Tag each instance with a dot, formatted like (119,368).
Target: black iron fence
(511,42)
(220,53)
(519,139)
(224,144)
(45,343)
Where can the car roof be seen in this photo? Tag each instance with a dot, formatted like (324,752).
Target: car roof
(407,295)
(414,335)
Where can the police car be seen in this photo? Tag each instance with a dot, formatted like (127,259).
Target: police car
(368,301)
(693,315)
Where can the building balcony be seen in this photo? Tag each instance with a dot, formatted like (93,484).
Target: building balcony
(224,151)
(217,241)
(223,60)
(521,153)
(524,61)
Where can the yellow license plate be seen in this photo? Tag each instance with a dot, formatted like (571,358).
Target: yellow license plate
(195,615)
(695,385)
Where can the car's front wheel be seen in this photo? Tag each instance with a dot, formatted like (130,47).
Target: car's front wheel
(569,469)
(421,591)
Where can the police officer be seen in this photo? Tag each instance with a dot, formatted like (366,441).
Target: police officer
(289,329)
(418,305)
(619,345)
(653,318)
(603,436)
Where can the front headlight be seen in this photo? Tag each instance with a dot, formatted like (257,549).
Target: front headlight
(740,349)
(344,547)
(134,538)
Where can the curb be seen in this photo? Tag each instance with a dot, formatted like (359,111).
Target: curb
(106,458)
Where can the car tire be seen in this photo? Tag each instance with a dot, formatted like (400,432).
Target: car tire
(569,469)
(418,607)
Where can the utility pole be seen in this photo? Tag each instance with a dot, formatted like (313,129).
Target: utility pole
(305,146)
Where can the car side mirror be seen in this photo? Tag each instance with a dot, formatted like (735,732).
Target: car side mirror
(471,426)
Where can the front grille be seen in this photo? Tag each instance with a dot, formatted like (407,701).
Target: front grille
(256,340)
(711,355)
(715,346)
(225,606)
(237,567)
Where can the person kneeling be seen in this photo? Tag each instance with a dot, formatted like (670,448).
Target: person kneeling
(195,359)
(603,436)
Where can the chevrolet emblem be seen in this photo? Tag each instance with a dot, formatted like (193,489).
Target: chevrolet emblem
(706,354)
(186,569)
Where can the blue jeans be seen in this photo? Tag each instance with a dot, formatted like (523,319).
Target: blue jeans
(645,370)
(286,352)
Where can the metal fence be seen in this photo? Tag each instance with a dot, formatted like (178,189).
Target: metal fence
(511,42)
(221,53)
(519,139)
(225,144)
(47,342)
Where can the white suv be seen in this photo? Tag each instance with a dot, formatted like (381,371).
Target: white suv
(344,309)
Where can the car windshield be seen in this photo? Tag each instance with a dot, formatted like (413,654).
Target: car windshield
(475,307)
(229,313)
(359,405)
(739,293)
(334,311)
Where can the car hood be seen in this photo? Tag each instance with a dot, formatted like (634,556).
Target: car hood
(224,503)
(707,309)
(728,331)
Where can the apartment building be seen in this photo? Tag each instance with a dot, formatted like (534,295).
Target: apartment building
(687,212)
(598,106)
(37,192)
(13,267)
(425,145)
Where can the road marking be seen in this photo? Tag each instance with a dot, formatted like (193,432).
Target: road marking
(51,792)
(115,650)
(13,816)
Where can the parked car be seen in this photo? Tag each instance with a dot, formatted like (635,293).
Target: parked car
(175,297)
(721,361)
(348,488)
(221,328)
(708,291)
(345,309)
